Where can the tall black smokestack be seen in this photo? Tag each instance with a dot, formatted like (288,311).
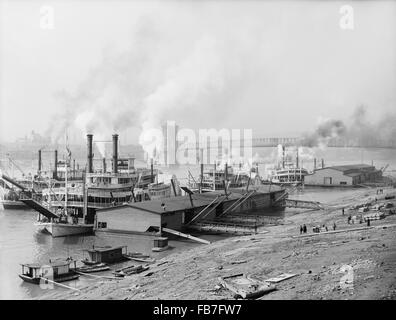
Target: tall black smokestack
(89,153)
(39,162)
(115,153)
(152,170)
(56,165)
(314,163)
(104,165)
(322,163)
(74,168)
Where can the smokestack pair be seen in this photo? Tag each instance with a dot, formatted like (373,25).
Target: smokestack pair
(315,163)
(90,154)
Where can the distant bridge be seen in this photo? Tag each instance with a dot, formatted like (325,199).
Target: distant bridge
(273,142)
(299,141)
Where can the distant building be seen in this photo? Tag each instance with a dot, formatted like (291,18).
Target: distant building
(349,175)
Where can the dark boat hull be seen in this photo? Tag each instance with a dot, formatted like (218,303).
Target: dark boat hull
(14,205)
(67,277)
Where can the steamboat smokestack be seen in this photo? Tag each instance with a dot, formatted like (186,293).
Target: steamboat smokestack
(104,165)
(152,170)
(74,168)
(39,161)
(89,153)
(56,165)
(115,153)
(322,163)
(314,163)
(297,160)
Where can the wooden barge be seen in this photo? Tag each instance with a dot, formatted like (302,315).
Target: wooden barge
(182,213)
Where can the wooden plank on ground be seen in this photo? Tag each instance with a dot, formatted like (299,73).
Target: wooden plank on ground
(281,277)
(184,235)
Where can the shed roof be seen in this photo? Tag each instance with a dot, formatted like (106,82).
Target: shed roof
(48,264)
(183,202)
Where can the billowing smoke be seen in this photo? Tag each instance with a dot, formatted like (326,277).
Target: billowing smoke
(327,129)
(366,133)
(161,78)
(358,130)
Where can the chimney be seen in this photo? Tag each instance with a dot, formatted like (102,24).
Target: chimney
(74,168)
(115,153)
(226,172)
(314,163)
(56,165)
(89,153)
(297,160)
(104,165)
(39,161)
(322,163)
(152,170)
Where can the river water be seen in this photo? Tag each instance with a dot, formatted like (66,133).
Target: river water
(20,242)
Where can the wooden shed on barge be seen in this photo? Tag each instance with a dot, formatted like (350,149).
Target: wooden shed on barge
(179,212)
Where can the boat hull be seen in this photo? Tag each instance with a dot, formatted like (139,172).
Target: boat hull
(64,229)
(92,269)
(67,277)
(13,205)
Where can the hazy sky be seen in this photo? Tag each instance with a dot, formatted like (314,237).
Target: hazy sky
(275,67)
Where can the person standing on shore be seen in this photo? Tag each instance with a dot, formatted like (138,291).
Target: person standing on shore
(368,222)
(343,211)
(301,229)
(349,219)
(305,228)
(334,226)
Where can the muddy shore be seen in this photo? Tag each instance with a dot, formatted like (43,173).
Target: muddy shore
(318,260)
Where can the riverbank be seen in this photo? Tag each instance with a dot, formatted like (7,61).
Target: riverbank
(318,260)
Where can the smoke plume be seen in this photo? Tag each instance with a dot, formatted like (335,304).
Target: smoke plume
(161,78)
(357,130)
(326,130)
